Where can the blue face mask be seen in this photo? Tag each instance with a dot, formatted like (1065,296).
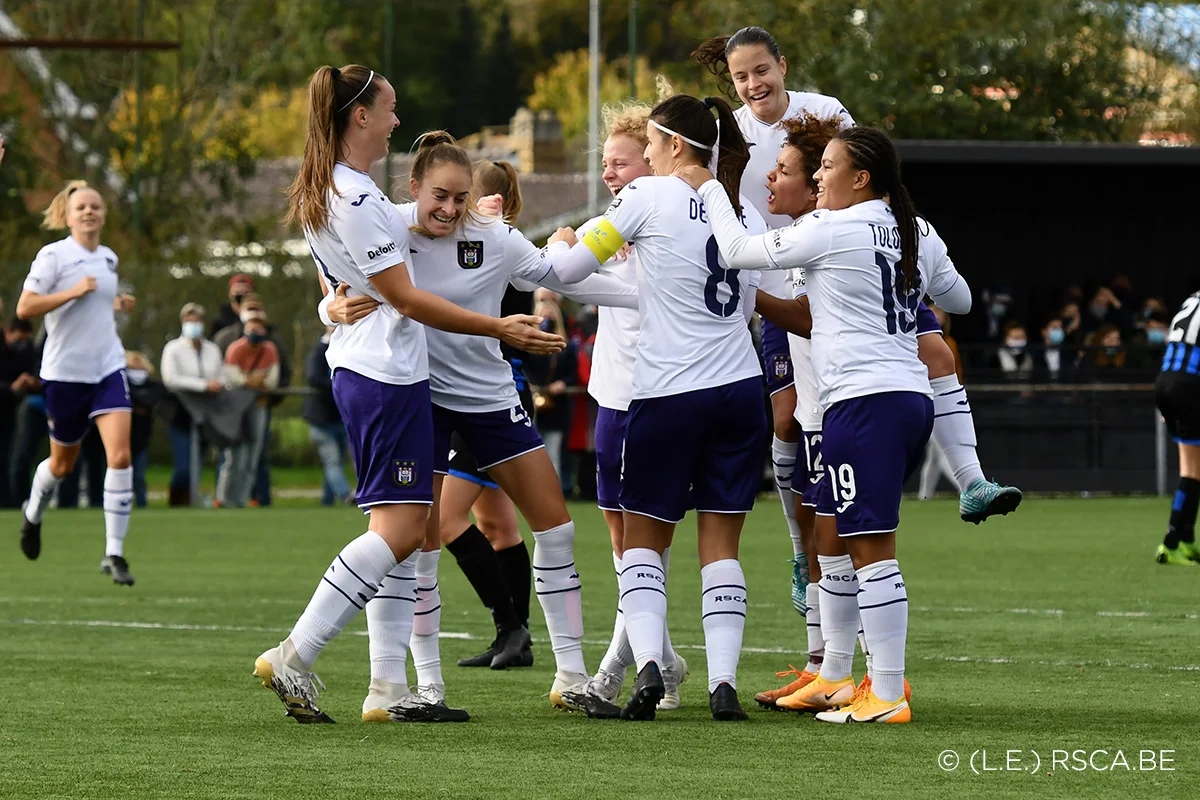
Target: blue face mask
(1056,336)
(255,338)
(1156,336)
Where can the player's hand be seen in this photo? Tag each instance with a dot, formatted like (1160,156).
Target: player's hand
(558,387)
(124,303)
(214,386)
(523,332)
(85,286)
(349,310)
(564,235)
(693,175)
(491,206)
(624,253)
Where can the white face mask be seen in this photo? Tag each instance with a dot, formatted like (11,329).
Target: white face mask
(193,329)
(246,316)
(137,376)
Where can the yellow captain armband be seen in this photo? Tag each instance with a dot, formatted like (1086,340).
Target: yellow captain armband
(604,240)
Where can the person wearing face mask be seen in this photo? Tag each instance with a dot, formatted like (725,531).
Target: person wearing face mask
(240,287)
(1150,344)
(190,363)
(251,362)
(1055,358)
(250,307)
(144,393)
(1013,356)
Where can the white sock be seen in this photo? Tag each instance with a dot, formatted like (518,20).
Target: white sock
(349,584)
(839,615)
(556,582)
(669,654)
(427,622)
(954,429)
(118,501)
(644,598)
(619,656)
(862,644)
(390,621)
(783,461)
(816,641)
(40,493)
(883,603)
(723,605)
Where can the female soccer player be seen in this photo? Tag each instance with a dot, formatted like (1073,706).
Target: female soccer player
(696,422)
(469,259)
(611,386)
(1177,395)
(380,384)
(874,389)
(749,67)
(74,283)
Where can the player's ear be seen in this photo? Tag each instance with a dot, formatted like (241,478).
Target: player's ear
(413,186)
(783,66)
(862,179)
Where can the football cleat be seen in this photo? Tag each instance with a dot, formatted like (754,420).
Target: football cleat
(803,678)
(865,686)
(673,675)
(513,649)
(983,499)
(800,583)
(292,683)
(724,705)
(1174,557)
(484,659)
(570,693)
(415,708)
(118,568)
(865,706)
(606,685)
(1189,550)
(31,536)
(819,695)
(646,694)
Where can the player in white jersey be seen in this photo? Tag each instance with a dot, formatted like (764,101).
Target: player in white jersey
(611,386)
(380,382)
(470,260)
(74,283)
(875,391)
(749,67)
(696,420)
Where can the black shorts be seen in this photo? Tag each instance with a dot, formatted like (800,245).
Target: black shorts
(1177,396)
(462,461)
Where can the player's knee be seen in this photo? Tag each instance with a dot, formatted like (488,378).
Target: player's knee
(936,356)
(119,458)
(62,465)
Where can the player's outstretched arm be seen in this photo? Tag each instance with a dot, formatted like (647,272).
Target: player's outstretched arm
(794,316)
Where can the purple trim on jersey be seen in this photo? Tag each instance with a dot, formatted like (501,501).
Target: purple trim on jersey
(702,448)
(390,429)
(805,481)
(871,445)
(777,358)
(927,321)
(611,425)
(493,436)
(70,406)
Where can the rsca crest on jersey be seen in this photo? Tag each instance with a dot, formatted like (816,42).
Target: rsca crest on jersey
(781,366)
(404,473)
(470,255)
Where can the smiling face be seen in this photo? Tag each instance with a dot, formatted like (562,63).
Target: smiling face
(838,182)
(442,197)
(758,79)
(85,212)
(624,160)
(377,121)
(792,189)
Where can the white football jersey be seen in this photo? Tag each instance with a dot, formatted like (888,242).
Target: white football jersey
(82,345)
(364,237)
(765,142)
(472,269)
(693,321)
(864,328)
(614,352)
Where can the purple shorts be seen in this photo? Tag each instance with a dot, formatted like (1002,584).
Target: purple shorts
(871,445)
(71,406)
(493,436)
(390,429)
(926,321)
(701,449)
(610,442)
(777,358)
(806,480)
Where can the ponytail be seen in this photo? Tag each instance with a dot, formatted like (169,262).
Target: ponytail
(711,55)
(54,218)
(733,154)
(906,220)
(500,177)
(333,94)
(692,121)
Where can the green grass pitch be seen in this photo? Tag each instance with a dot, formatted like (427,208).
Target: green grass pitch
(1050,629)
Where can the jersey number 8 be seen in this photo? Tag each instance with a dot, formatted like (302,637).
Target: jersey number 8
(716,275)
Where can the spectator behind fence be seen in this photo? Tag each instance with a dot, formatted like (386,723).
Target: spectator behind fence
(190,363)
(1055,360)
(1013,356)
(251,362)
(1103,310)
(1072,324)
(1105,351)
(144,393)
(240,287)
(1151,343)
(18,377)
(325,428)
(251,307)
